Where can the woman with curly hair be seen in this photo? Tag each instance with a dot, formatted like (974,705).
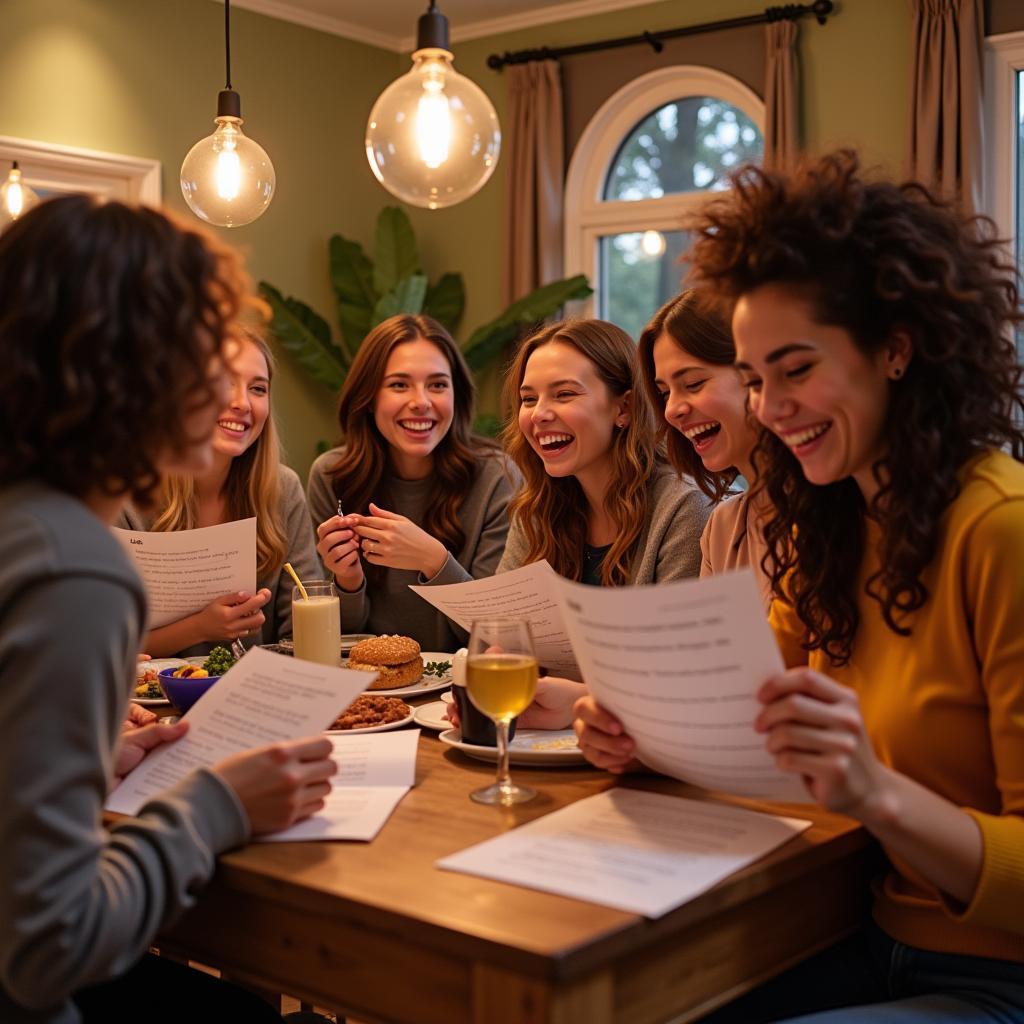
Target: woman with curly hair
(686,356)
(427,499)
(246,479)
(873,330)
(112,329)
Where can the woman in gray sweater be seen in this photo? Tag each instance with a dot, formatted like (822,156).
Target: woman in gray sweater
(112,325)
(427,500)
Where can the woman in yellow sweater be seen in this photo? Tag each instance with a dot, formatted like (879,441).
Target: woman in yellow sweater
(873,331)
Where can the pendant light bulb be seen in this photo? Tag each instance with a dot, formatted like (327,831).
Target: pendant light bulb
(16,198)
(433,136)
(227,179)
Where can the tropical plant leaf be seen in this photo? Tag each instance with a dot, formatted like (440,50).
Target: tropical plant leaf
(305,335)
(488,340)
(396,257)
(406,297)
(352,279)
(446,300)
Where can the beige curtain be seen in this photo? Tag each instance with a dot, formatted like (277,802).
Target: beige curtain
(782,93)
(534,178)
(945,147)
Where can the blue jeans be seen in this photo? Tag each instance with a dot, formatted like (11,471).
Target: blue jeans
(870,979)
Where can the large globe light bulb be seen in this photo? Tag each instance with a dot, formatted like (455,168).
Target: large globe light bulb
(16,198)
(226,178)
(433,137)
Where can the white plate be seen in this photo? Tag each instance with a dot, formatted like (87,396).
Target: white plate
(529,747)
(157,664)
(426,684)
(431,716)
(372,728)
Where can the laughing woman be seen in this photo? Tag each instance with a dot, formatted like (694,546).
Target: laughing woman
(874,331)
(687,356)
(245,479)
(426,499)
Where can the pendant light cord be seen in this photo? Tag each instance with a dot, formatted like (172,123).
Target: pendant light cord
(227,42)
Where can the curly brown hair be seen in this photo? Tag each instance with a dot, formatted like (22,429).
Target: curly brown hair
(359,475)
(696,326)
(874,258)
(109,318)
(553,511)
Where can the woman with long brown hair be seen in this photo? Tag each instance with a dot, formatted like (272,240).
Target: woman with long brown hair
(246,479)
(425,500)
(874,332)
(687,356)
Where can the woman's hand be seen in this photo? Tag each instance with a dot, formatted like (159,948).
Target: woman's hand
(136,743)
(552,706)
(136,717)
(814,727)
(338,547)
(396,542)
(232,616)
(602,739)
(282,783)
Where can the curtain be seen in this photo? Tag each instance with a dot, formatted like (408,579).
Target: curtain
(534,178)
(945,144)
(781,100)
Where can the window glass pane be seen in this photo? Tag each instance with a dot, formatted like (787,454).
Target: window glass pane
(640,271)
(689,145)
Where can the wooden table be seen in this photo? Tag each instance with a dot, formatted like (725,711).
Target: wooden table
(375,930)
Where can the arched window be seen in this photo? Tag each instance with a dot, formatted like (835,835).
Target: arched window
(650,154)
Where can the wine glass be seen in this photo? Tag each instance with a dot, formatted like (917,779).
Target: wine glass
(501,679)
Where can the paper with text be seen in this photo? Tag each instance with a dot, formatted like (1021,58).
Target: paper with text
(528,593)
(680,664)
(644,853)
(264,698)
(374,773)
(185,570)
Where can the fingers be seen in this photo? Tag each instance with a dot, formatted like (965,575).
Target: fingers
(153,735)
(383,513)
(372,532)
(310,748)
(804,680)
(592,714)
(810,711)
(803,739)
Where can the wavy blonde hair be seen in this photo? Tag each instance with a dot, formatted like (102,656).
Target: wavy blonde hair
(252,488)
(553,511)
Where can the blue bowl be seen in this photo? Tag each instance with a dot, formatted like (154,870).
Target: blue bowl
(183,693)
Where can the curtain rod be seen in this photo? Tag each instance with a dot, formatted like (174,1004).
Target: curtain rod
(821,9)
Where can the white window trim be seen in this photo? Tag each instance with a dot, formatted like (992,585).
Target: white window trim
(1004,57)
(70,169)
(587,215)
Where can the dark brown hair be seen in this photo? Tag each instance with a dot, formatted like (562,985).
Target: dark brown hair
(358,476)
(109,318)
(874,258)
(553,511)
(696,326)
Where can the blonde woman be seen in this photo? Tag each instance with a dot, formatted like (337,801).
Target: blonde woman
(245,479)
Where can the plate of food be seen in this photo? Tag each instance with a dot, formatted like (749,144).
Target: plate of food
(403,670)
(431,716)
(541,748)
(147,690)
(371,712)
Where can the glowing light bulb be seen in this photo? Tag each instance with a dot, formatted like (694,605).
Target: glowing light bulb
(433,137)
(229,171)
(652,243)
(16,198)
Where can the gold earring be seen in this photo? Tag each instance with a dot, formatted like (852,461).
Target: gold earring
(896,373)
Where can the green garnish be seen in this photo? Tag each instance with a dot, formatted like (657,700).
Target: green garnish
(219,660)
(437,668)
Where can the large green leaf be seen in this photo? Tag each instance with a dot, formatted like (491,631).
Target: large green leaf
(406,297)
(396,257)
(446,300)
(486,342)
(352,278)
(305,334)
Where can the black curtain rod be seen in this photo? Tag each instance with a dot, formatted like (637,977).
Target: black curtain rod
(821,9)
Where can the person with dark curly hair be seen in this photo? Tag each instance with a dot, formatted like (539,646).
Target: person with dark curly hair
(873,328)
(112,326)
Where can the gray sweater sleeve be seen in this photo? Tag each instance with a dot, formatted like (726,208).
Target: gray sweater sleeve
(301,551)
(515,548)
(80,904)
(681,516)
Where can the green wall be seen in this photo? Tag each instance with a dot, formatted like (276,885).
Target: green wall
(141,77)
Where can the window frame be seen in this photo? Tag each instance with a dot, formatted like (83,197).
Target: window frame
(589,217)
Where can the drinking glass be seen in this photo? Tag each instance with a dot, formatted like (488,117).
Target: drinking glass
(316,623)
(501,679)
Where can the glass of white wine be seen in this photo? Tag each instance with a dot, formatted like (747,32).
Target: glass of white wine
(501,679)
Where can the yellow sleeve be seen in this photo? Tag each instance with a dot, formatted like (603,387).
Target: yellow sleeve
(993,577)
